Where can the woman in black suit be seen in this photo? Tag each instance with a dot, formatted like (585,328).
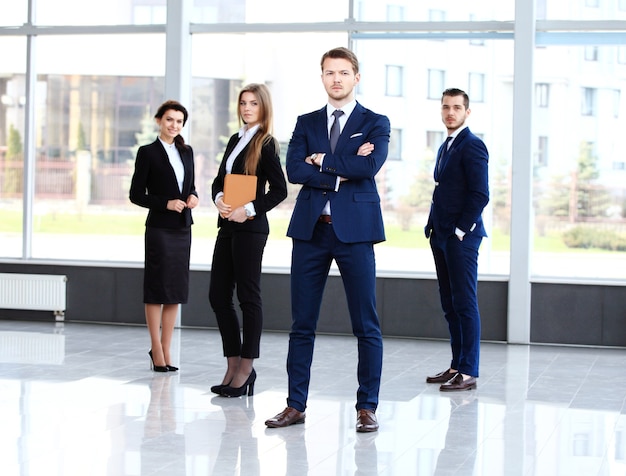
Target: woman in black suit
(242,237)
(164,183)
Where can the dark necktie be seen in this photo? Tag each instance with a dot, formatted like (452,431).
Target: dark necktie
(444,154)
(334,129)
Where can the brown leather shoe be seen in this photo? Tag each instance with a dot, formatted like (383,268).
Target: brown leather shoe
(441,377)
(366,421)
(289,416)
(457,384)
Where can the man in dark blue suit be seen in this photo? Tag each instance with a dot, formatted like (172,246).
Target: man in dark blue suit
(455,228)
(335,153)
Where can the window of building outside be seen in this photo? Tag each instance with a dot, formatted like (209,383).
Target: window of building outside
(395,144)
(588,103)
(436,82)
(579,194)
(394,80)
(591,53)
(542,94)
(476,88)
(542,152)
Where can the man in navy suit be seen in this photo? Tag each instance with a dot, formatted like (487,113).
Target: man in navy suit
(455,228)
(337,216)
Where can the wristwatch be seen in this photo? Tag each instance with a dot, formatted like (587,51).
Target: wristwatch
(313,157)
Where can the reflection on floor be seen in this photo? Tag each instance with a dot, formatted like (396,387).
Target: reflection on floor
(79,399)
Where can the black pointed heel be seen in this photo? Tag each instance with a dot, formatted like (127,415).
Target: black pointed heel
(171,368)
(248,386)
(156,368)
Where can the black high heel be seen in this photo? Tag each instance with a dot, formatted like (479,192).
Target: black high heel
(229,391)
(156,368)
(218,388)
(171,368)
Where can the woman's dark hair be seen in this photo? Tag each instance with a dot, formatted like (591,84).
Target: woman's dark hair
(176,106)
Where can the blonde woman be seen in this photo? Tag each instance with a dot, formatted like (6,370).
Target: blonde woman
(242,237)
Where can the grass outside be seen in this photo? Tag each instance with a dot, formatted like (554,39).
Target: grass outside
(205,227)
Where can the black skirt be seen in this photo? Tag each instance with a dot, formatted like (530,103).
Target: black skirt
(166,272)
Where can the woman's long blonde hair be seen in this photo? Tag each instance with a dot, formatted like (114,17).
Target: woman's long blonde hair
(264,134)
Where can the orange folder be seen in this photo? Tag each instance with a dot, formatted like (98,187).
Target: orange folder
(239,189)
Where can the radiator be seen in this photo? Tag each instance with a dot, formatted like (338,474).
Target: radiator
(35,292)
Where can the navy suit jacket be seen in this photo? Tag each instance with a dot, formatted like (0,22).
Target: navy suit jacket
(355,206)
(268,171)
(462,188)
(154,183)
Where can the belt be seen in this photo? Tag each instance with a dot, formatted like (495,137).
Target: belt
(325,219)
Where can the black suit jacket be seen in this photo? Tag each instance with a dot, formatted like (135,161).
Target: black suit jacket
(269,171)
(154,183)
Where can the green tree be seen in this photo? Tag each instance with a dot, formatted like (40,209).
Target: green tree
(15,156)
(14,146)
(81,141)
(592,198)
(148,131)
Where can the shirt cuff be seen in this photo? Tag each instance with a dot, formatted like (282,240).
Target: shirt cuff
(250,207)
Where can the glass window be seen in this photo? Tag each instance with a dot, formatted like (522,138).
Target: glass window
(119,12)
(270,11)
(15,14)
(407,184)
(395,13)
(12,123)
(583,10)
(91,115)
(375,10)
(216,85)
(436,15)
(581,188)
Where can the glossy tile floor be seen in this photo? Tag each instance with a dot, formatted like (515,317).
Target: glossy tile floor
(79,399)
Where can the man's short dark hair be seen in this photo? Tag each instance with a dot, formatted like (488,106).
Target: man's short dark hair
(456,92)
